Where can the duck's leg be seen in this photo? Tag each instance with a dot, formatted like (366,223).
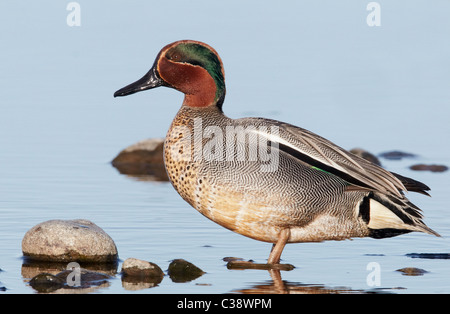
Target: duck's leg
(277,248)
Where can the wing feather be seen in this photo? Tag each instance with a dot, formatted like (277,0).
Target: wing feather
(318,151)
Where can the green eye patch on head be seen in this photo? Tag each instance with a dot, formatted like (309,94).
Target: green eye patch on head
(199,55)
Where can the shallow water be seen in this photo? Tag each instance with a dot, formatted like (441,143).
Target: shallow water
(318,66)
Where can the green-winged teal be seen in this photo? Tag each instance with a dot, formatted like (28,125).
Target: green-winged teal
(265,179)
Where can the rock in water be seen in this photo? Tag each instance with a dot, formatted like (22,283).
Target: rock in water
(432,168)
(412,271)
(181,270)
(397,155)
(144,160)
(138,268)
(46,283)
(69,241)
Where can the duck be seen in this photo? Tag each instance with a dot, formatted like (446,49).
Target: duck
(266,179)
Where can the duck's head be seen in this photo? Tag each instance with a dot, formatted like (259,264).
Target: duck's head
(192,67)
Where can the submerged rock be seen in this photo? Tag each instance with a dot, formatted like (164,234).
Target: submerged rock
(237,264)
(412,271)
(432,168)
(68,279)
(181,270)
(85,279)
(232,259)
(396,155)
(69,241)
(144,160)
(46,282)
(429,255)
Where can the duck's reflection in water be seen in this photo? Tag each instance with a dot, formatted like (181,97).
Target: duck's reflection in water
(278,286)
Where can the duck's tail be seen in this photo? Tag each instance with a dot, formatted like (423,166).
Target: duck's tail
(389,215)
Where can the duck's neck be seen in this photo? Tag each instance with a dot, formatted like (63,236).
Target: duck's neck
(204,94)
(202,98)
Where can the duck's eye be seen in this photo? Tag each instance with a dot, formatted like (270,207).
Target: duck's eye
(174,57)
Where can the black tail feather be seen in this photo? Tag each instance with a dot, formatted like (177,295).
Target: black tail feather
(413,185)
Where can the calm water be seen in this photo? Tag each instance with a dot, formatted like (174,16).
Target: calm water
(319,66)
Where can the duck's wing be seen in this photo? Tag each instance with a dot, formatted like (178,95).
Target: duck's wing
(323,154)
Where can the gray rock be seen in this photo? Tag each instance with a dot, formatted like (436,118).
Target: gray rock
(69,241)
(138,274)
(138,268)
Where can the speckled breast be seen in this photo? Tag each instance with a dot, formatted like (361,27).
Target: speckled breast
(207,183)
